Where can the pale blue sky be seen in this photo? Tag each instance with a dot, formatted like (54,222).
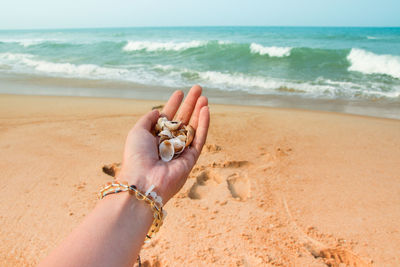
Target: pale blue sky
(30,14)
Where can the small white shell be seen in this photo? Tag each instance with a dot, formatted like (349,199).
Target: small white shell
(163,138)
(160,123)
(167,150)
(182,137)
(178,144)
(172,125)
(166,133)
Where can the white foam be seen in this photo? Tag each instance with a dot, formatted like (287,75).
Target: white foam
(173,76)
(164,67)
(224,42)
(258,84)
(14,57)
(27,63)
(84,70)
(65,69)
(264,85)
(158,46)
(272,51)
(238,80)
(370,63)
(28,42)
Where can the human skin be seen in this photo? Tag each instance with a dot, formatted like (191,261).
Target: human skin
(113,233)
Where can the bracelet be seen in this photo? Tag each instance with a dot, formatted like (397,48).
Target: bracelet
(150,197)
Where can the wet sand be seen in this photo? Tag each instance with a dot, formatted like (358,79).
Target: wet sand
(58,86)
(273,187)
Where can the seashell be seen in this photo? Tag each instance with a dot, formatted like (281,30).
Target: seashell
(189,134)
(178,144)
(166,133)
(172,125)
(182,137)
(176,133)
(157,128)
(174,137)
(167,150)
(163,138)
(180,132)
(160,123)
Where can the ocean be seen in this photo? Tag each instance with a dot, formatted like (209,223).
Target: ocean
(308,63)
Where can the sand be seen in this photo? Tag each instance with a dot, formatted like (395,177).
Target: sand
(273,187)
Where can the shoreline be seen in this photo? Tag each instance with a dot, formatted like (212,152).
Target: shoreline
(149,103)
(56,86)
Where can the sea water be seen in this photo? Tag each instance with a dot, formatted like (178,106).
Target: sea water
(307,62)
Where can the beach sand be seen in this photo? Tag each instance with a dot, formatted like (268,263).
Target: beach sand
(273,187)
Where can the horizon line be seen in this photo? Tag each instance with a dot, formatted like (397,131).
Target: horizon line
(194,26)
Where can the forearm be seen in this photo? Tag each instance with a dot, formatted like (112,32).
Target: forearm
(111,235)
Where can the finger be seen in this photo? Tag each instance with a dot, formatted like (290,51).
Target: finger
(191,154)
(202,101)
(186,109)
(148,120)
(202,129)
(173,104)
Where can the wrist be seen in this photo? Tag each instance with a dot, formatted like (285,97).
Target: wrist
(150,198)
(140,181)
(144,183)
(125,202)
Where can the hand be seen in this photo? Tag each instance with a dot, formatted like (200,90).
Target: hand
(141,165)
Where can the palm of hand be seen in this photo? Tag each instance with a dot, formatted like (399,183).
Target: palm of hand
(142,166)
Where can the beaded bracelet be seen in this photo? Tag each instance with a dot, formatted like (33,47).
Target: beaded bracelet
(150,197)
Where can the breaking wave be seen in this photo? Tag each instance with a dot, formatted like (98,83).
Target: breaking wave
(369,63)
(26,42)
(174,76)
(265,85)
(160,46)
(27,62)
(272,51)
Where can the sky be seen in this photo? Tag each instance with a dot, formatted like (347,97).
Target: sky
(39,14)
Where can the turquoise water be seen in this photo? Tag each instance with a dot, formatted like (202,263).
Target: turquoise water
(349,63)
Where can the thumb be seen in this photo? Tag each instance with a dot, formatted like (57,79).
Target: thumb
(147,121)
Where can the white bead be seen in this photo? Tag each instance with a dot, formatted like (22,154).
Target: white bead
(153,194)
(158,199)
(150,189)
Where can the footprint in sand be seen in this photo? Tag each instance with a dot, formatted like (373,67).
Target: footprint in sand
(238,186)
(232,173)
(233,180)
(198,189)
